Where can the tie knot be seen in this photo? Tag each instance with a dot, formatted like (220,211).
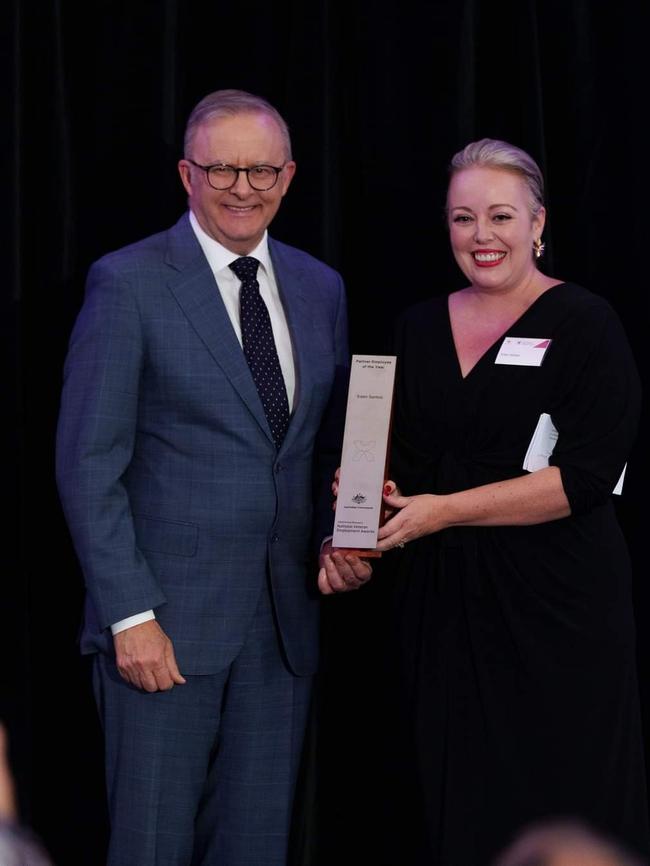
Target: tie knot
(245,268)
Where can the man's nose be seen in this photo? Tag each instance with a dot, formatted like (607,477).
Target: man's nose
(241,186)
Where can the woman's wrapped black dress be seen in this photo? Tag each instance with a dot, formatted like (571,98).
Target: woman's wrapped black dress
(518,641)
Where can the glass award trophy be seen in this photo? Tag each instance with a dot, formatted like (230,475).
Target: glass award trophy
(364,457)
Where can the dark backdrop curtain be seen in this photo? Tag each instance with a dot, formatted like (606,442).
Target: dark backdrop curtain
(95,97)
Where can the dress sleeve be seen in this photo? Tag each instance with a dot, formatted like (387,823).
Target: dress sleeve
(597,409)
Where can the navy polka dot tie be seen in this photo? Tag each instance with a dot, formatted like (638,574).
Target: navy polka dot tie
(259,348)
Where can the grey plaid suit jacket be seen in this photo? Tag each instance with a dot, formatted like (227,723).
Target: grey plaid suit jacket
(173,491)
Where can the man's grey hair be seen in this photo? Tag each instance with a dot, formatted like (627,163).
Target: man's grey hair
(230,103)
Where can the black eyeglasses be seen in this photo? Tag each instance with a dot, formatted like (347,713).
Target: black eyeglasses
(222,176)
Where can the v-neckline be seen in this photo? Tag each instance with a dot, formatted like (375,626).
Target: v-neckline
(498,340)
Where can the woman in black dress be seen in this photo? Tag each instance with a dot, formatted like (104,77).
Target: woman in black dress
(515,578)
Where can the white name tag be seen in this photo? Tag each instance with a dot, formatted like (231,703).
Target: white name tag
(522,351)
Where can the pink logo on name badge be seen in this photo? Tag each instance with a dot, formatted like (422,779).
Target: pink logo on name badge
(543,345)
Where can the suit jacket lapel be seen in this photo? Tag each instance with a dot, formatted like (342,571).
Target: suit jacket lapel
(193,285)
(294,291)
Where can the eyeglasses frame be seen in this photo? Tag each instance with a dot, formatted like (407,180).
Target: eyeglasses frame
(207,168)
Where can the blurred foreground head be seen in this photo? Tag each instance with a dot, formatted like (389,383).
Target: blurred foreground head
(19,846)
(564,844)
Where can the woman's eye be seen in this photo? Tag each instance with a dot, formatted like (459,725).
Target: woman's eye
(462,219)
(502,217)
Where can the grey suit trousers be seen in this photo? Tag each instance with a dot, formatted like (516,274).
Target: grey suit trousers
(245,724)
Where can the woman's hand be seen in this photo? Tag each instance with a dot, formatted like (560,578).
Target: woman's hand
(390,489)
(412,517)
(522,501)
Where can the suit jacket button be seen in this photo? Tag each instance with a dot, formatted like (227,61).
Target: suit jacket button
(275,538)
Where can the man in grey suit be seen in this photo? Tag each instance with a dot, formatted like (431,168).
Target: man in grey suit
(185,447)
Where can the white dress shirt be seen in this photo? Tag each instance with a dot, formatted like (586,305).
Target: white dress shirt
(219,258)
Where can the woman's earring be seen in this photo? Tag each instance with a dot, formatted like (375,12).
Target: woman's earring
(538,247)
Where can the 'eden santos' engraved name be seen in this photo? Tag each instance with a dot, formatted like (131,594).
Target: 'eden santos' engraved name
(369,396)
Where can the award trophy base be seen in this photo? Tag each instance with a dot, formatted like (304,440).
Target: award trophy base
(367,553)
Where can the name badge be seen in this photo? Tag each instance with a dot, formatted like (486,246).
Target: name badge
(522,351)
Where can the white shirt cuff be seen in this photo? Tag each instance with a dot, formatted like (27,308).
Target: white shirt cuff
(130,621)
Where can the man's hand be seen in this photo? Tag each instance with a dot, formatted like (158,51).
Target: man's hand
(341,571)
(145,657)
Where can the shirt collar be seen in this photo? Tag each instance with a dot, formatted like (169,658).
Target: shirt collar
(219,257)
